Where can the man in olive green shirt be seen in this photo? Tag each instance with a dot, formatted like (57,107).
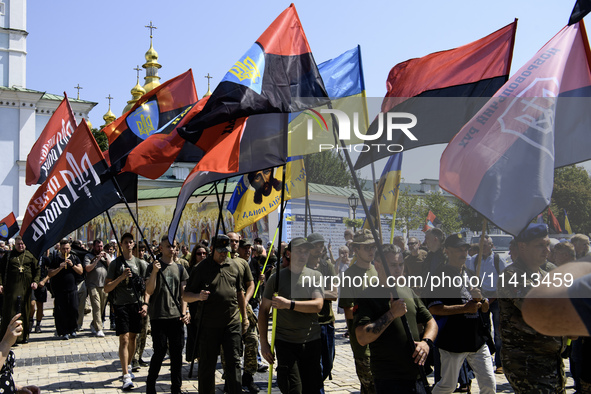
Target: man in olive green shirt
(299,300)
(326,315)
(356,279)
(216,283)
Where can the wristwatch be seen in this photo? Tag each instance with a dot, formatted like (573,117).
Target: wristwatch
(429,341)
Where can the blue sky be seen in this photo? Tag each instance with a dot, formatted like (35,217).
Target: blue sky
(98,43)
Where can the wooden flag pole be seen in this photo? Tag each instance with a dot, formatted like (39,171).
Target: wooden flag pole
(276,290)
(481,245)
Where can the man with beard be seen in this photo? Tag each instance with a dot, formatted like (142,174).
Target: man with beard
(217,285)
(19,275)
(263,182)
(63,270)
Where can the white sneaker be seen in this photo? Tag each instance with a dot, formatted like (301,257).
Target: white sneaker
(100,333)
(92,330)
(127,383)
(130,373)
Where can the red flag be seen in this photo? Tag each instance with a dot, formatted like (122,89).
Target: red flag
(50,144)
(150,127)
(8,227)
(553,223)
(71,195)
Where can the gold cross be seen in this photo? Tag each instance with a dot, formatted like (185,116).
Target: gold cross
(138,69)
(151,27)
(109,98)
(78,87)
(208,78)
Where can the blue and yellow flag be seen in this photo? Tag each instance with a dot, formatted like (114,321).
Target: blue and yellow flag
(343,80)
(567,227)
(387,189)
(259,193)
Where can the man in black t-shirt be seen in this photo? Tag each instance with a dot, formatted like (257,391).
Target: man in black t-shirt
(63,270)
(461,334)
(377,320)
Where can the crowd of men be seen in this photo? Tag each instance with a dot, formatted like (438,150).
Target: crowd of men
(225,291)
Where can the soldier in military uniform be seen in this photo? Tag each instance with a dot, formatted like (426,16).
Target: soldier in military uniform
(19,276)
(531,361)
(364,247)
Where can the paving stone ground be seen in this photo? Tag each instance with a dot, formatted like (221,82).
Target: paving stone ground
(89,364)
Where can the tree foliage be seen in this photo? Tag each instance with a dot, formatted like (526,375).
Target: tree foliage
(445,211)
(469,218)
(328,168)
(101,139)
(572,192)
(409,213)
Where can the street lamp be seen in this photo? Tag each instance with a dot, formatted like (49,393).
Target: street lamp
(353,202)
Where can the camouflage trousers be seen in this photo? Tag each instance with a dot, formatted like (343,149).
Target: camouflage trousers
(364,374)
(140,340)
(533,373)
(250,341)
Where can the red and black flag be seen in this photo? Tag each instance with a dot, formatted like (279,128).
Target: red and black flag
(431,222)
(277,74)
(144,140)
(553,224)
(8,227)
(51,143)
(71,195)
(502,161)
(443,91)
(262,144)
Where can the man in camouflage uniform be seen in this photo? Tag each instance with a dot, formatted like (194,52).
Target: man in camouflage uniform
(250,339)
(364,247)
(531,361)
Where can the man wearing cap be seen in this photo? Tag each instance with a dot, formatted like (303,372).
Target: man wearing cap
(360,273)
(378,324)
(326,316)
(299,300)
(531,361)
(461,336)
(216,283)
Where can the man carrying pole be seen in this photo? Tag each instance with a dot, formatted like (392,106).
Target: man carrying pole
(299,300)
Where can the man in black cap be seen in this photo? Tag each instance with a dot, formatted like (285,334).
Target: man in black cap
(326,316)
(531,361)
(377,324)
(461,337)
(217,283)
(299,300)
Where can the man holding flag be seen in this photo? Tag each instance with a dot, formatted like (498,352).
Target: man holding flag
(298,302)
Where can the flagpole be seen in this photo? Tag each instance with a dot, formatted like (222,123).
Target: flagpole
(376,199)
(481,245)
(266,261)
(220,207)
(276,289)
(410,341)
(145,242)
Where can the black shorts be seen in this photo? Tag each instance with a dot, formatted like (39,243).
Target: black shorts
(127,319)
(39,295)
